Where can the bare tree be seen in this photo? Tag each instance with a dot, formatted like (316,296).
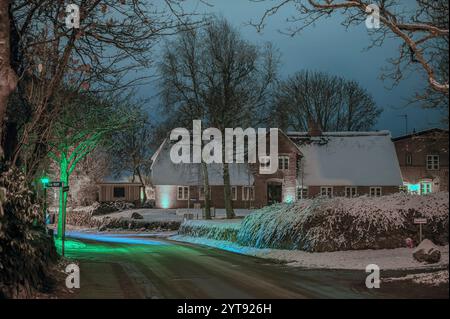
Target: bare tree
(332,102)
(113,38)
(8,78)
(421,27)
(222,79)
(131,150)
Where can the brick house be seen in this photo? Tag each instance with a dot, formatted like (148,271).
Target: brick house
(423,158)
(310,164)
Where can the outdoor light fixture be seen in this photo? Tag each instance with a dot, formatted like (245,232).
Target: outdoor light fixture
(45,181)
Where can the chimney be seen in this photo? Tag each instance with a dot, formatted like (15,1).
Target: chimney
(313,128)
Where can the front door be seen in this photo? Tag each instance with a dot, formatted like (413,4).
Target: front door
(274,193)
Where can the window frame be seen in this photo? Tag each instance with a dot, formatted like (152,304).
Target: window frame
(428,191)
(285,162)
(250,193)
(185,195)
(234,193)
(434,160)
(200,197)
(302,190)
(351,188)
(408,159)
(376,188)
(327,188)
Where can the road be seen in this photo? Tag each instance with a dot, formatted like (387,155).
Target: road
(116,266)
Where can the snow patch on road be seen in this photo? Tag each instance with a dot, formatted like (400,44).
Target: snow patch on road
(430,279)
(386,259)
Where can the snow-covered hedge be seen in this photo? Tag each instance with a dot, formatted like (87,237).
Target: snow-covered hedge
(323,224)
(212,229)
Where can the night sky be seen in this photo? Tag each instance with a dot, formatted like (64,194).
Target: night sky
(329,47)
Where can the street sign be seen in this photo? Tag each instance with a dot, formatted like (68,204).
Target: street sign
(55,184)
(420,222)
(65,189)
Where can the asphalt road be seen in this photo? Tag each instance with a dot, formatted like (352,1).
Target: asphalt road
(122,267)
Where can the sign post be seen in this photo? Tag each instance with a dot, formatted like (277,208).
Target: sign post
(63,189)
(420,222)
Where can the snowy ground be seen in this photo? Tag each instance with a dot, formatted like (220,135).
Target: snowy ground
(386,259)
(430,279)
(156,214)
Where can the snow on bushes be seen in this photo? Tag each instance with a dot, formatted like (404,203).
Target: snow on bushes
(27,253)
(323,224)
(217,229)
(333,224)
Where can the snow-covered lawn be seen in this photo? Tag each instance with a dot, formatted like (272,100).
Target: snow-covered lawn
(430,279)
(386,259)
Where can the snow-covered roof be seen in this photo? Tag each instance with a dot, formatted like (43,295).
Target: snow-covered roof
(165,172)
(349,158)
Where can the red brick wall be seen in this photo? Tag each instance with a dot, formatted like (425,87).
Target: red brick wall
(433,143)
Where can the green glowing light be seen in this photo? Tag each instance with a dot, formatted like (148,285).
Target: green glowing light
(45,180)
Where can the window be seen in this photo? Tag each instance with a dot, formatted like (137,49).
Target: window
(119,192)
(283,162)
(403,189)
(233,192)
(375,191)
(408,159)
(248,193)
(351,191)
(426,188)
(432,162)
(183,193)
(326,191)
(302,192)
(201,193)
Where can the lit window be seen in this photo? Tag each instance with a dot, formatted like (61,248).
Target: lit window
(432,162)
(403,189)
(426,188)
(233,192)
(201,193)
(375,191)
(326,191)
(302,192)
(183,193)
(283,162)
(351,191)
(248,193)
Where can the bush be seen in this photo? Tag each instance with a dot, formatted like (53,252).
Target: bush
(111,207)
(210,229)
(324,224)
(26,252)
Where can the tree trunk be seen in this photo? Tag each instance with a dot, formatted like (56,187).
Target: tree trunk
(206,187)
(138,171)
(227,192)
(8,78)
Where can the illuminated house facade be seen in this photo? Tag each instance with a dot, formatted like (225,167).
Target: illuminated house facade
(310,164)
(423,158)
